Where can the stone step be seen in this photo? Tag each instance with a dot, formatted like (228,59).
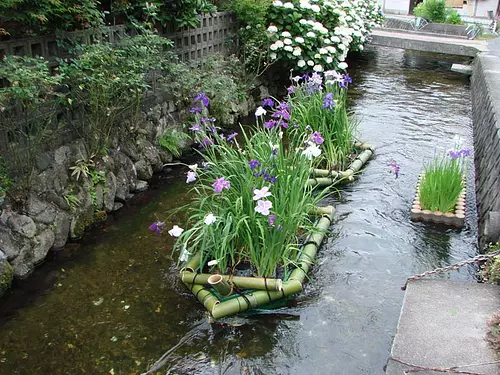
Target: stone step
(443,324)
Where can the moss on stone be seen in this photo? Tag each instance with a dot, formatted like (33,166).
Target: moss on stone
(6,276)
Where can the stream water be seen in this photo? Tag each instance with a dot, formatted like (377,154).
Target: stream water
(113,303)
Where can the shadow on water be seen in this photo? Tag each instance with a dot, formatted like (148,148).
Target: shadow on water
(113,303)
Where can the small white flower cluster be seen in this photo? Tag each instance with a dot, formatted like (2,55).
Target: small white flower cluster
(318,34)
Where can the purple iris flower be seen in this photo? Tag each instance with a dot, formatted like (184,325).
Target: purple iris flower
(282,110)
(284,124)
(328,101)
(306,77)
(196,110)
(456,154)
(253,164)
(272,219)
(221,183)
(157,227)
(317,138)
(195,128)
(231,136)
(274,152)
(203,98)
(272,179)
(270,124)
(268,102)
(394,168)
(290,90)
(205,143)
(346,79)
(206,119)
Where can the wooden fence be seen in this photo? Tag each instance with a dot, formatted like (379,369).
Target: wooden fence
(212,35)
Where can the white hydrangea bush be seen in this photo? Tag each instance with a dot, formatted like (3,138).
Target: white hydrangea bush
(318,34)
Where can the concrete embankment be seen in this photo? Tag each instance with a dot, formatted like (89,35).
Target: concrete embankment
(443,324)
(485,94)
(428,43)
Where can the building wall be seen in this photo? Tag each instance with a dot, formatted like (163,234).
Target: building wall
(475,8)
(395,6)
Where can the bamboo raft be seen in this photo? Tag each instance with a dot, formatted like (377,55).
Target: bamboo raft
(217,292)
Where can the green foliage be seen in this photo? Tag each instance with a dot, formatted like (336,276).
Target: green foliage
(95,178)
(221,79)
(180,13)
(5,181)
(240,233)
(442,184)
(490,270)
(72,201)
(28,106)
(334,124)
(172,141)
(82,168)
(453,17)
(431,10)
(254,43)
(31,17)
(107,82)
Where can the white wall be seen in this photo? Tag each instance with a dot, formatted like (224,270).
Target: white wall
(478,8)
(395,6)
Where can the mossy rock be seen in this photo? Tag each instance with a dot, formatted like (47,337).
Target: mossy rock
(6,276)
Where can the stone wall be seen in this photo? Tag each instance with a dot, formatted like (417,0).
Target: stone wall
(59,208)
(486,117)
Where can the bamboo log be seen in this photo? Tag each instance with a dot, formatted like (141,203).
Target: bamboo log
(220,284)
(241,303)
(364,146)
(259,283)
(193,263)
(327,177)
(310,249)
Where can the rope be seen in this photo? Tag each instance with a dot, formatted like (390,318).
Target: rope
(194,282)
(449,370)
(456,266)
(267,290)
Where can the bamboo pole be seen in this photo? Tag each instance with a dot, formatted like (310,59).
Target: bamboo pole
(252,300)
(310,249)
(324,177)
(259,283)
(220,284)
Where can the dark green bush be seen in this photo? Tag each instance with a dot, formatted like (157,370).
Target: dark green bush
(252,15)
(431,10)
(221,79)
(453,17)
(31,17)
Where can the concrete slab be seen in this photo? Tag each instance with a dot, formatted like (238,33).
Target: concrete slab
(428,43)
(443,324)
(461,68)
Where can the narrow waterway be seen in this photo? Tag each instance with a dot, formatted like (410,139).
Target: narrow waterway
(113,304)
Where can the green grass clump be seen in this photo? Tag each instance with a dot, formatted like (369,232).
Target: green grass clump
(442,184)
(312,110)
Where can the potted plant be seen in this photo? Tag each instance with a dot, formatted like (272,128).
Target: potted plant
(440,193)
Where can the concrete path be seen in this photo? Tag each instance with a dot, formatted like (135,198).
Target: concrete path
(443,324)
(428,43)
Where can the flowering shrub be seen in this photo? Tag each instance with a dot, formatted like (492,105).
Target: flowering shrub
(317,35)
(442,182)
